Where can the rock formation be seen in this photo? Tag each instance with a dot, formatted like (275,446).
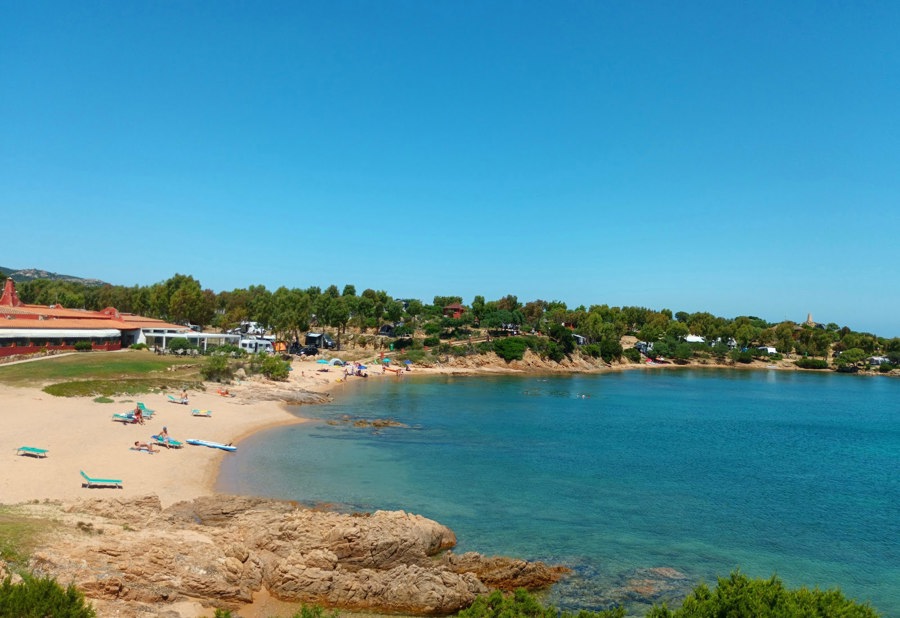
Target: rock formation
(135,557)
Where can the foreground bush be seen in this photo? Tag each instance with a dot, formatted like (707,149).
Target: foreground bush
(741,597)
(83,346)
(40,598)
(522,603)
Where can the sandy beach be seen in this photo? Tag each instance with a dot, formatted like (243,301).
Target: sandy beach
(79,434)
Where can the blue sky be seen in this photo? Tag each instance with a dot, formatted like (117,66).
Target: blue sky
(732,157)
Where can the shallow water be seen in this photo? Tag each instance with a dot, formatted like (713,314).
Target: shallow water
(699,470)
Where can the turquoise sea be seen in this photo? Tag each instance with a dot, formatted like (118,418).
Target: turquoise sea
(702,471)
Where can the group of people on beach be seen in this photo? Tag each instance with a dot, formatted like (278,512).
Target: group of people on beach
(162,436)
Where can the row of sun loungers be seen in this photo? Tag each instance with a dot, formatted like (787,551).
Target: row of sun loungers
(124,418)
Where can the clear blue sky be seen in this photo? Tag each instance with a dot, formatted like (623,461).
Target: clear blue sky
(733,157)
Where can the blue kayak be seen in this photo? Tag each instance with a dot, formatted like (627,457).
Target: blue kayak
(224,447)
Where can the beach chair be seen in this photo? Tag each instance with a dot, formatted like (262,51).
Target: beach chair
(205,413)
(92,482)
(147,411)
(127,417)
(160,441)
(31,451)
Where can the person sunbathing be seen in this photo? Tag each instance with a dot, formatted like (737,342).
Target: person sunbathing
(143,446)
(139,415)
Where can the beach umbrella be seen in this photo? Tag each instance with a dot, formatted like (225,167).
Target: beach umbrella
(385,360)
(322,361)
(408,362)
(363,367)
(337,361)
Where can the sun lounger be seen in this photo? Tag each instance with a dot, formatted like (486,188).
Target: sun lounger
(160,441)
(31,451)
(147,411)
(201,412)
(176,400)
(92,482)
(128,417)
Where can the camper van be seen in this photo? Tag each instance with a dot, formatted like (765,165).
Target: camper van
(256,345)
(320,340)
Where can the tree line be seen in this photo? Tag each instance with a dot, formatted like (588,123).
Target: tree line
(290,312)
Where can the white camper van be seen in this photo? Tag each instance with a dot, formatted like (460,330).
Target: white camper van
(256,345)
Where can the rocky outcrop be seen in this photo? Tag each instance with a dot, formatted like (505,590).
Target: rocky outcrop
(221,550)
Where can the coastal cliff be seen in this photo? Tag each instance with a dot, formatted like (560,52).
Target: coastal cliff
(133,558)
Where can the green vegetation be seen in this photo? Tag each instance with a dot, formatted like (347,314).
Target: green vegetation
(103,399)
(523,604)
(40,597)
(83,346)
(741,597)
(811,363)
(546,326)
(510,349)
(216,368)
(104,375)
(18,536)
(306,611)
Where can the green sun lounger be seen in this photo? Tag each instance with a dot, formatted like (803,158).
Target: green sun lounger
(31,451)
(92,482)
(158,441)
(128,417)
(147,411)
(201,412)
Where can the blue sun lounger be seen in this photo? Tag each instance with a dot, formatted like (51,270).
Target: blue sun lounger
(127,417)
(160,441)
(92,482)
(31,451)
(147,411)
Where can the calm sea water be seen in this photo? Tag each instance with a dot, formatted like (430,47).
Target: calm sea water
(702,471)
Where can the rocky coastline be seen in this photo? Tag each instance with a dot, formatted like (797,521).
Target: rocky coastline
(134,558)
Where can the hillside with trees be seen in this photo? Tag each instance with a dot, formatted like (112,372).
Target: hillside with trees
(446,327)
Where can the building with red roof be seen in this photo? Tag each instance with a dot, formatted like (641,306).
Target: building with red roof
(26,329)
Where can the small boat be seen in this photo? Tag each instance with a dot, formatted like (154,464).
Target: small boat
(224,447)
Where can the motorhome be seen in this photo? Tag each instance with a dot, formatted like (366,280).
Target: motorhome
(255,345)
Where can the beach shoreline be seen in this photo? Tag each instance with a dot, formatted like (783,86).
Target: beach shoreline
(80,435)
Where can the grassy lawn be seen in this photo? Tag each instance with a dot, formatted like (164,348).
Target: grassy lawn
(105,374)
(18,535)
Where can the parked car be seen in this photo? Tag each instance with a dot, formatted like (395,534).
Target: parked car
(309,350)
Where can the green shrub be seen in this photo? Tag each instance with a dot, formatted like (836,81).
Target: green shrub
(274,368)
(632,354)
(402,343)
(591,349)
(83,346)
(217,369)
(885,367)
(180,343)
(430,342)
(776,357)
(522,604)
(510,348)
(811,363)
(230,350)
(739,596)
(138,346)
(741,356)
(42,597)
